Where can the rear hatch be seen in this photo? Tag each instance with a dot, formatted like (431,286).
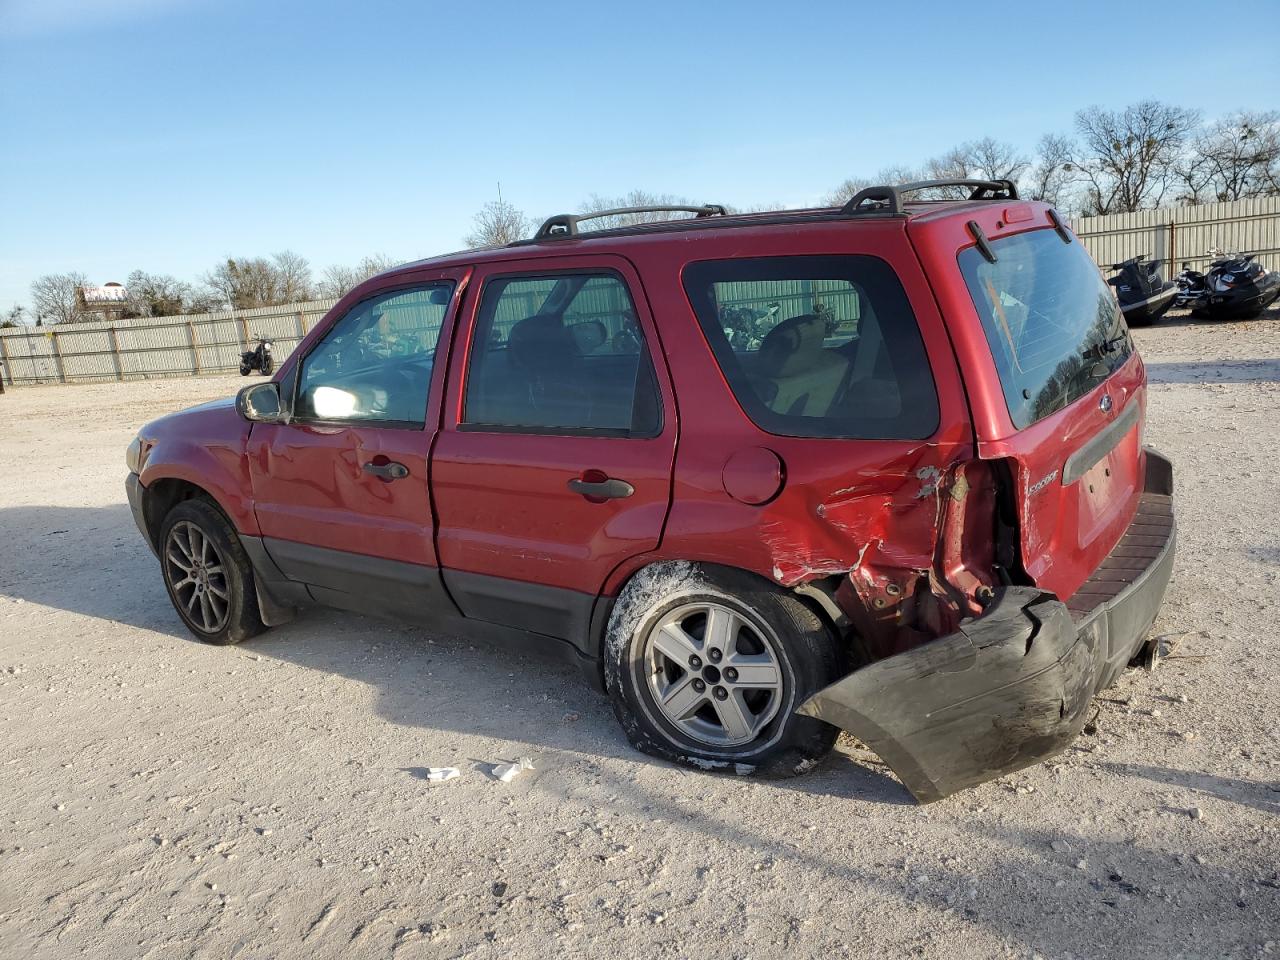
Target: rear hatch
(1073,388)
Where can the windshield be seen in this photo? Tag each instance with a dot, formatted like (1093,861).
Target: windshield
(1053,326)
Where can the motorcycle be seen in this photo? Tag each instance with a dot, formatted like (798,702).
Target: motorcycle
(1235,287)
(1144,297)
(259,358)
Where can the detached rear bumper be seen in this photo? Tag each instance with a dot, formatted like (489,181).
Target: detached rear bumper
(1013,686)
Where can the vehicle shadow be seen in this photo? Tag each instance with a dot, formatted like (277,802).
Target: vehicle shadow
(1260,796)
(1219,371)
(91,561)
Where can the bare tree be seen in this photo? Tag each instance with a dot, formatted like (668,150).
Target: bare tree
(293,277)
(1127,158)
(1052,177)
(497,224)
(242,284)
(157,294)
(1234,158)
(14,317)
(338,280)
(53,297)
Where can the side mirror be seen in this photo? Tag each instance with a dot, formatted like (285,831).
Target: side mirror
(260,403)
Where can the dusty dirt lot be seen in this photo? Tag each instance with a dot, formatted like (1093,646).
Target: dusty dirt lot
(160,798)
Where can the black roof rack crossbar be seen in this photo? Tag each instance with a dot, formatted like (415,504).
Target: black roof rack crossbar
(566,224)
(889,198)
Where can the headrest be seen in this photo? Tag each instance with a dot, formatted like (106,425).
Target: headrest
(540,344)
(793,346)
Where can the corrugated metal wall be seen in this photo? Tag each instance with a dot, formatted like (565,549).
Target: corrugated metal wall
(152,346)
(209,343)
(1177,235)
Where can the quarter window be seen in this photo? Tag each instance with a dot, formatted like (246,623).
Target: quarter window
(561,354)
(817,346)
(374,365)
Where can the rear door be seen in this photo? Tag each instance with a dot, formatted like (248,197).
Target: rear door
(341,490)
(553,464)
(1065,394)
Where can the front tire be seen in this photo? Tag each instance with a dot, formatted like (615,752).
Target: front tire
(208,575)
(267,366)
(706,666)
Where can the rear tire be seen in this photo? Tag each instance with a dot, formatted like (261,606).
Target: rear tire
(244,369)
(706,666)
(208,575)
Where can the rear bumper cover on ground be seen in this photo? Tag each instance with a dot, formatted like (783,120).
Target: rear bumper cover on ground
(1012,686)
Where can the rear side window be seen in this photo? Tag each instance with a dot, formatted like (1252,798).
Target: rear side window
(1053,326)
(561,354)
(817,346)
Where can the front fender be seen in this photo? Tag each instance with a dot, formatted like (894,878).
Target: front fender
(205,447)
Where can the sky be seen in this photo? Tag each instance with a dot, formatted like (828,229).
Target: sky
(166,135)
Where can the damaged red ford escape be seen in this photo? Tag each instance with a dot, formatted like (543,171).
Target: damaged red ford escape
(762,476)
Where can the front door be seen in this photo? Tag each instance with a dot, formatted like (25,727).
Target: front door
(553,464)
(341,490)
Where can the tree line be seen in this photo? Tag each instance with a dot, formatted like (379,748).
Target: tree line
(1145,155)
(237,283)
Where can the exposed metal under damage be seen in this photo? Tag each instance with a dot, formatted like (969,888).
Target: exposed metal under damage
(1010,686)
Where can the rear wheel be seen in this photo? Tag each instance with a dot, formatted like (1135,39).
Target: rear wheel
(706,667)
(244,369)
(208,575)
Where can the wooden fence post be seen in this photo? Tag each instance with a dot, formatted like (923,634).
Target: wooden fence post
(195,348)
(115,353)
(57,357)
(302,325)
(244,326)
(1173,251)
(5,366)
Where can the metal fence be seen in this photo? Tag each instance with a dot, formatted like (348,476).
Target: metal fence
(151,347)
(1177,235)
(212,343)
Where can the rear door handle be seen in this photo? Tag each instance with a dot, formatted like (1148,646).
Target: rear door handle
(386,471)
(600,490)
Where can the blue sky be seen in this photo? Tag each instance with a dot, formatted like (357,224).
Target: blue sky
(167,134)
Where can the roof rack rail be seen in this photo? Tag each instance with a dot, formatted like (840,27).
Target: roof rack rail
(566,224)
(889,198)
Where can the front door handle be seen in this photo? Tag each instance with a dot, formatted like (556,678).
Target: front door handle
(597,487)
(386,471)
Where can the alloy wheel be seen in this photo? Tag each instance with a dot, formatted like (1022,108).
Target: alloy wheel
(713,674)
(197,577)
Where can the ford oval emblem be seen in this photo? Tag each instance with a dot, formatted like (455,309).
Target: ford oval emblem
(1105,403)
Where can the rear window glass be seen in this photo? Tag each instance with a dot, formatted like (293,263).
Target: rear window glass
(817,346)
(1052,323)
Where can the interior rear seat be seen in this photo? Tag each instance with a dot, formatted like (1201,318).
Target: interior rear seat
(795,376)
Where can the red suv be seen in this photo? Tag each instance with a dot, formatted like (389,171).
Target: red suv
(877,468)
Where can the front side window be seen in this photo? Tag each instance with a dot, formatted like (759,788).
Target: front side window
(817,346)
(561,354)
(1054,327)
(374,365)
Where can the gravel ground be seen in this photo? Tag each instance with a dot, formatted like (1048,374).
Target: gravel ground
(161,798)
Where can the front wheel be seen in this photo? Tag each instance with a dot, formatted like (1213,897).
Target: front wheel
(208,575)
(267,366)
(706,666)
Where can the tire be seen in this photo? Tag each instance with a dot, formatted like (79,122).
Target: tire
(652,672)
(244,369)
(267,366)
(207,574)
